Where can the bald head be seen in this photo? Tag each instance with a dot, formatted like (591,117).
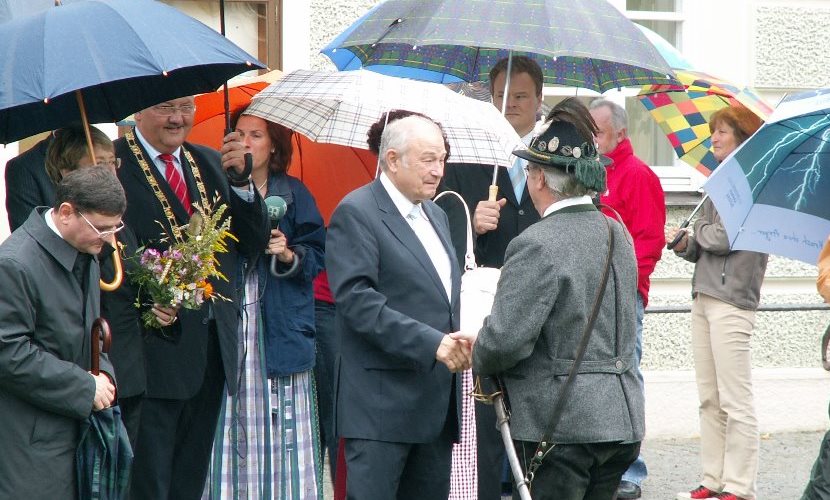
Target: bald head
(412,155)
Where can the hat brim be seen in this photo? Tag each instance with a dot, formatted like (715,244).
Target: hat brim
(554,160)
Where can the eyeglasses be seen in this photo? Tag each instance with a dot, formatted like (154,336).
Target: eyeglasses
(114,163)
(168,110)
(103,234)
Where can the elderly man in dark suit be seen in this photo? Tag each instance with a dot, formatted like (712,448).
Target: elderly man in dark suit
(48,303)
(548,290)
(396,284)
(191,359)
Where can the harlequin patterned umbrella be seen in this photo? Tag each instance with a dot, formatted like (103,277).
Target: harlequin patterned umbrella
(683,113)
(587,44)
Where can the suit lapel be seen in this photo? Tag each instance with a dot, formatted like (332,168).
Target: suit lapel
(401,230)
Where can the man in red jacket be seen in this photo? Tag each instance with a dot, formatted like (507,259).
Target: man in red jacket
(634,191)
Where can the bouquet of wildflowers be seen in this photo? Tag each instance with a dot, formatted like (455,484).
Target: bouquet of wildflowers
(178,276)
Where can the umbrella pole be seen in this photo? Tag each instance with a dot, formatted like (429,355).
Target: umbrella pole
(116,259)
(494,189)
(249,158)
(90,148)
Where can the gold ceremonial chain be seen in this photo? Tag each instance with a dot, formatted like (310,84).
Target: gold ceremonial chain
(145,167)
(478,394)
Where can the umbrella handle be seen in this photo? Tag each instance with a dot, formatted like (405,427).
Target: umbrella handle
(119,271)
(100,335)
(673,243)
(492,192)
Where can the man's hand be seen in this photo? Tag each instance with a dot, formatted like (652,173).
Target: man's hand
(455,354)
(486,216)
(672,232)
(278,245)
(166,316)
(233,152)
(104,392)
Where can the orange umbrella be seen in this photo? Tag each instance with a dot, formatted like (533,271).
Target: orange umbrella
(329,171)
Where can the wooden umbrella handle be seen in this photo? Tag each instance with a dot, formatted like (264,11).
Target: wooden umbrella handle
(100,335)
(493,192)
(116,265)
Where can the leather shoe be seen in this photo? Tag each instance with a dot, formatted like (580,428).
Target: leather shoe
(628,490)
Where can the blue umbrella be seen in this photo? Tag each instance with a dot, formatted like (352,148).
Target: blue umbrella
(772,193)
(669,52)
(122,55)
(587,44)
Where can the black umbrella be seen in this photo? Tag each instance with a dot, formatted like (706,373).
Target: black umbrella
(104,455)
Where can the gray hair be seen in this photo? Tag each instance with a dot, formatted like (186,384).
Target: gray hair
(619,117)
(397,135)
(562,184)
(94,189)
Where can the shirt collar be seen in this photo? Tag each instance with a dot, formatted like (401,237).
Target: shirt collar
(153,152)
(567,202)
(401,202)
(51,222)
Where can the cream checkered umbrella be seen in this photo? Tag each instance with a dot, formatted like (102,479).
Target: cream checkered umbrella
(339,108)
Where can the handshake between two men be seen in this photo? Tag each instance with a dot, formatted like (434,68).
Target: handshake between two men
(456,351)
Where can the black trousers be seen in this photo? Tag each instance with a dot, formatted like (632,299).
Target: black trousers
(326,342)
(578,471)
(175,438)
(818,487)
(490,456)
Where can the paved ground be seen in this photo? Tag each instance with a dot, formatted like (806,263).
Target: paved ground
(792,407)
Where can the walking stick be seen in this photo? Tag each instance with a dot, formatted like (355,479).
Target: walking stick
(503,425)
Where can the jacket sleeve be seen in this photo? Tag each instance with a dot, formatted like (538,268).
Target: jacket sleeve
(308,235)
(27,370)
(524,299)
(354,264)
(249,223)
(647,223)
(710,235)
(823,281)
(21,193)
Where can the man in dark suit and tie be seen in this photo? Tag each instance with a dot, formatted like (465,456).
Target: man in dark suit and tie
(396,284)
(27,183)
(194,355)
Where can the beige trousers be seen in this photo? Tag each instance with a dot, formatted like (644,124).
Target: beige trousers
(729,439)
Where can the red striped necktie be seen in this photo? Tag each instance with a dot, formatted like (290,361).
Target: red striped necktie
(177,184)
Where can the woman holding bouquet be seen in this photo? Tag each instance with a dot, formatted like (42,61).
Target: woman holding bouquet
(269,444)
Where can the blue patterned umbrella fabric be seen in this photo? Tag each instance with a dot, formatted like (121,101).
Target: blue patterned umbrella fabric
(587,44)
(772,193)
(122,55)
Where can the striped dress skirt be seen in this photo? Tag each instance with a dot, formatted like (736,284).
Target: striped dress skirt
(267,441)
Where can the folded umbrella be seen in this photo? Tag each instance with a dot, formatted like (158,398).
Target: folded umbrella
(104,455)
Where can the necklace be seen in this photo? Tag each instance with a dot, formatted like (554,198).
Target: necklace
(259,188)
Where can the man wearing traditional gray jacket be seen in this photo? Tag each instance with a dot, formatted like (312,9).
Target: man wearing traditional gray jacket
(548,286)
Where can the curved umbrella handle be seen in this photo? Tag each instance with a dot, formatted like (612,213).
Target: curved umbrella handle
(100,335)
(119,272)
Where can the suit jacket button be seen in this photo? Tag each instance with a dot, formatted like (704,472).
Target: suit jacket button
(205,321)
(618,364)
(521,212)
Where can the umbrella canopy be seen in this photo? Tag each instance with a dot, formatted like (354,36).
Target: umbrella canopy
(329,171)
(115,53)
(669,52)
(587,44)
(339,108)
(772,192)
(683,113)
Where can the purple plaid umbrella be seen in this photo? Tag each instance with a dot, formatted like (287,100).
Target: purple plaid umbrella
(587,44)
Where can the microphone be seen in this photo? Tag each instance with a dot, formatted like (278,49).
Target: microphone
(276,210)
